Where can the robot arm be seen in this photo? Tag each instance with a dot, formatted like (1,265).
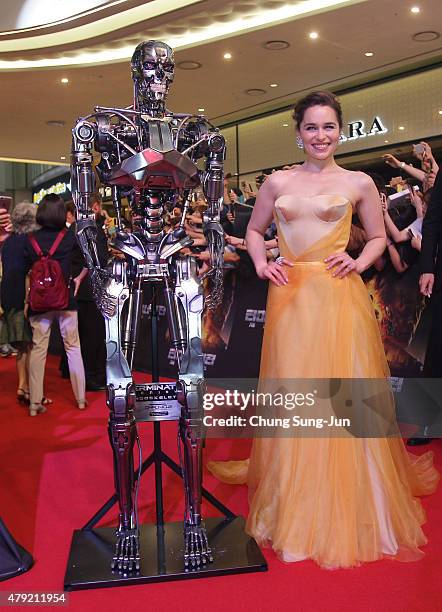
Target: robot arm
(82,172)
(83,187)
(213,190)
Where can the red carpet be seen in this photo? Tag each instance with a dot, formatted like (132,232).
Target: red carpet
(57,471)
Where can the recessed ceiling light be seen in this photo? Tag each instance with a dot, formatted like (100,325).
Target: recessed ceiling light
(313,35)
(201,110)
(254,91)
(415,9)
(227,56)
(369,54)
(401,127)
(56,123)
(189,65)
(426,36)
(386,141)
(64,80)
(62,157)
(285,125)
(276,45)
(273,85)
(440,112)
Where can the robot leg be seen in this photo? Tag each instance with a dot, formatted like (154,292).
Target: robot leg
(121,427)
(189,293)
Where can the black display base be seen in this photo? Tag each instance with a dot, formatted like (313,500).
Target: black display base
(14,559)
(89,564)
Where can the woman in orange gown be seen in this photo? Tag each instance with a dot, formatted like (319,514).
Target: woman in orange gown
(339,500)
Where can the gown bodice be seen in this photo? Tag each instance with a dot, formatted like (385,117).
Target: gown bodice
(312,227)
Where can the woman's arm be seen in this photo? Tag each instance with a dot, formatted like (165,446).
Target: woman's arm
(394,233)
(416,243)
(369,210)
(392,161)
(78,280)
(396,260)
(238,243)
(370,214)
(259,222)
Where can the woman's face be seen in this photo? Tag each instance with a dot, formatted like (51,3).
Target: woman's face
(320,132)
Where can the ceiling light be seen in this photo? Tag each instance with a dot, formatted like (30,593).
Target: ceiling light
(276,45)
(64,80)
(386,141)
(440,112)
(313,35)
(56,123)
(285,125)
(273,85)
(369,54)
(254,91)
(415,9)
(227,56)
(189,65)
(401,127)
(62,157)
(201,110)
(426,36)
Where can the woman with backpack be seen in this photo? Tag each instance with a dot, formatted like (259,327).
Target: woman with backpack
(48,256)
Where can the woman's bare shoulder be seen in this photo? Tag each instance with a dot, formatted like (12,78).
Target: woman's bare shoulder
(358,178)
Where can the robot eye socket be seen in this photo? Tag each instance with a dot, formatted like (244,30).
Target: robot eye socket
(149,65)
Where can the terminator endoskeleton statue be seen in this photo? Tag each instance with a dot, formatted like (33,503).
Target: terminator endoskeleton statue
(149,155)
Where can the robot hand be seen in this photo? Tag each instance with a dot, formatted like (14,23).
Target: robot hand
(86,231)
(214,234)
(101,279)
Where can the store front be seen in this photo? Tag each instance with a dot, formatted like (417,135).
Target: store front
(56,180)
(384,117)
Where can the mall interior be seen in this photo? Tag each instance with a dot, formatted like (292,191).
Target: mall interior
(243,64)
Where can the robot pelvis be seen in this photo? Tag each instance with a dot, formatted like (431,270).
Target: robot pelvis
(151,168)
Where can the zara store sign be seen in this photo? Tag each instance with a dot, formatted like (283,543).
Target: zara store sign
(359,129)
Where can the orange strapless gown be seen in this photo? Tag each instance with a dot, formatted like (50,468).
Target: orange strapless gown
(343,500)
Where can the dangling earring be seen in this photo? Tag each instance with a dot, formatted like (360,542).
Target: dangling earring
(299,142)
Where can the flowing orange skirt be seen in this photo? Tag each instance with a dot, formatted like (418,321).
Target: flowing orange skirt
(344,500)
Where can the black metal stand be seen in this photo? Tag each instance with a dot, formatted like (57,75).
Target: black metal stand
(14,559)
(161,545)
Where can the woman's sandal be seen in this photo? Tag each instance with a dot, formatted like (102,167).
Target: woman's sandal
(36,409)
(46,401)
(22,396)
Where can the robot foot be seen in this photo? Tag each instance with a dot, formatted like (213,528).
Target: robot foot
(127,551)
(197,552)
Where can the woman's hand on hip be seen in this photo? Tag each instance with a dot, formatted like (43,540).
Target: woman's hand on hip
(274,271)
(342,264)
